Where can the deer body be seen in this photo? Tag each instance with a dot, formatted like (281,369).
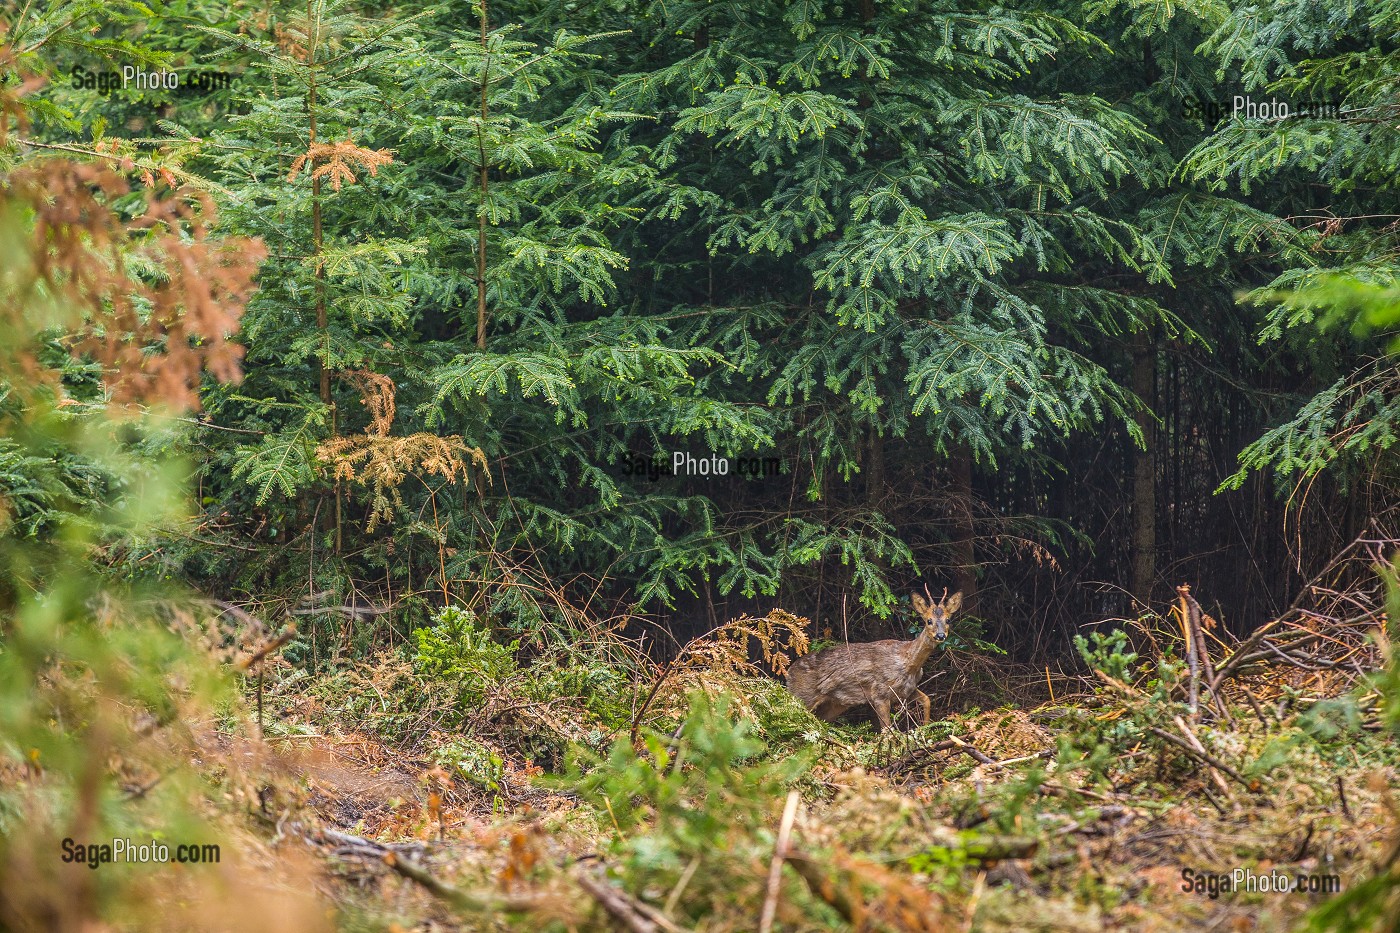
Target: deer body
(878,674)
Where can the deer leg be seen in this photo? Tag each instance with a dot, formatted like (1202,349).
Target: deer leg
(924,705)
(882,713)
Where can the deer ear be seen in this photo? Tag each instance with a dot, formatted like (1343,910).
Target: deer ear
(952,603)
(921,605)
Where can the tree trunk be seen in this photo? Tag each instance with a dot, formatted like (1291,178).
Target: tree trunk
(964,551)
(322,320)
(875,470)
(1143,541)
(484,182)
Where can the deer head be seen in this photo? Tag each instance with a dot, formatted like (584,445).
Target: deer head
(935,614)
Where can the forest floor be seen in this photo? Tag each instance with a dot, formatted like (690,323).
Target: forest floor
(476,792)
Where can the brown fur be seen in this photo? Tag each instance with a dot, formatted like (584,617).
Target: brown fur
(877,674)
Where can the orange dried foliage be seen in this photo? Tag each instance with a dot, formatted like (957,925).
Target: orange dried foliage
(291,42)
(521,859)
(152,300)
(377,394)
(381,462)
(337,158)
(152,334)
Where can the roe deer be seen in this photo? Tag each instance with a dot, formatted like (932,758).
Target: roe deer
(872,673)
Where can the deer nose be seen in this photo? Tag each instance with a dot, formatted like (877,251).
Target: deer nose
(940,635)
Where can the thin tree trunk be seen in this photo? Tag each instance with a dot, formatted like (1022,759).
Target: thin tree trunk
(313,27)
(964,550)
(1143,539)
(875,469)
(867,13)
(485,191)
(322,323)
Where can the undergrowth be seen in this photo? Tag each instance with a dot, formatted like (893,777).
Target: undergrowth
(665,789)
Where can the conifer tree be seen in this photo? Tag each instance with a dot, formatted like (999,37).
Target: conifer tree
(894,221)
(440,250)
(1331,68)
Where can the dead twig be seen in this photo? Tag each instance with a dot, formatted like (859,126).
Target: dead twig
(354,610)
(136,793)
(775,867)
(1196,631)
(1117,684)
(1193,660)
(1254,704)
(675,896)
(1117,814)
(257,656)
(1043,755)
(1195,743)
(1242,653)
(659,918)
(1302,851)
(967,749)
(1051,787)
(913,759)
(651,695)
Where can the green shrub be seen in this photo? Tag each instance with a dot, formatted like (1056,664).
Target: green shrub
(459,650)
(472,761)
(600,687)
(1108,653)
(704,796)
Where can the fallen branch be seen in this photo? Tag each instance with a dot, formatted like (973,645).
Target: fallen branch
(1042,755)
(435,886)
(1203,756)
(354,610)
(1195,743)
(395,857)
(822,887)
(239,614)
(625,909)
(1193,659)
(1195,630)
(954,742)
